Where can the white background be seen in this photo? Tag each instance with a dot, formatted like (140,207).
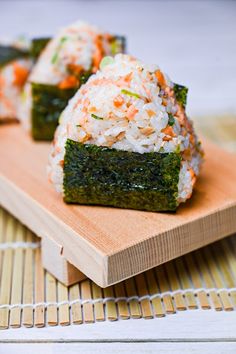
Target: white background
(193,41)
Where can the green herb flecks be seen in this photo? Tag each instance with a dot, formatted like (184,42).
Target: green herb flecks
(96,117)
(104,176)
(84,76)
(132,94)
(118,45)
(56,54)
(178,149)
(114,48)
(23,96)
(181,93)
(171,120)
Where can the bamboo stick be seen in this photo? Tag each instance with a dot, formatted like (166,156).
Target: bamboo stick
(51,296)
(28,291)
(197,281)
(6,278)
(143,291)
(17,279)
(175,286)
(2,224)
(186,283)
(122,306)
(110,307)
(62,294)
(208,280)
(217,278)
(39,313)
(98,306)
(154,290)
(134,306)
(76,308)
(164,287)
(228,247)
(86,294)
(221,260)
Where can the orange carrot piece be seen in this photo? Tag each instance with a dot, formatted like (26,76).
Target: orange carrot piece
(128,77)
(169,131)
(147,131)
(2,82)
(75,69)
(68,82)
(160,78)
(118,101)
(99,51)
(150,113)
(192,173)
(20,74)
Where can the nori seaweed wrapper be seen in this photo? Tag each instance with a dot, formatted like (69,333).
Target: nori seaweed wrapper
(106,176)
(10,53)
(181,93)
(37,45)
(118,44)
(48,101)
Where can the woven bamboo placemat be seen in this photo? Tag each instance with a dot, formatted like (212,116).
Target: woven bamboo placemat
(30,296)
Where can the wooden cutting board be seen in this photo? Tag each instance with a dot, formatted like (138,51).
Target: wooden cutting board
(108,244)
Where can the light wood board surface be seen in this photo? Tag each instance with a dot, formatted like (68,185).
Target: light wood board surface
(108,244)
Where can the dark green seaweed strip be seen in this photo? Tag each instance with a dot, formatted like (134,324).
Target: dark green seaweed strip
(84,76)
(48,102)
(118,45)
(181,93)
(37,45)
(9,53)
(104,176)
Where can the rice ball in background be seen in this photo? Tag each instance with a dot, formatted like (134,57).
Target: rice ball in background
(63,66)
(15,66)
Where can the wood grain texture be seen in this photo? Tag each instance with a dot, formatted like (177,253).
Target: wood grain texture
(54,261)
(108,244)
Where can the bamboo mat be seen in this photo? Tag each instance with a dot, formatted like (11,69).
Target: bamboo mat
(30,296)
(221,130)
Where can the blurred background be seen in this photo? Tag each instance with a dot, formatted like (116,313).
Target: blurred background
(193,41)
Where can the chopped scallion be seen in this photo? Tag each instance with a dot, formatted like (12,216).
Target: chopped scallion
(96,117)
(133,94)
(56,54)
